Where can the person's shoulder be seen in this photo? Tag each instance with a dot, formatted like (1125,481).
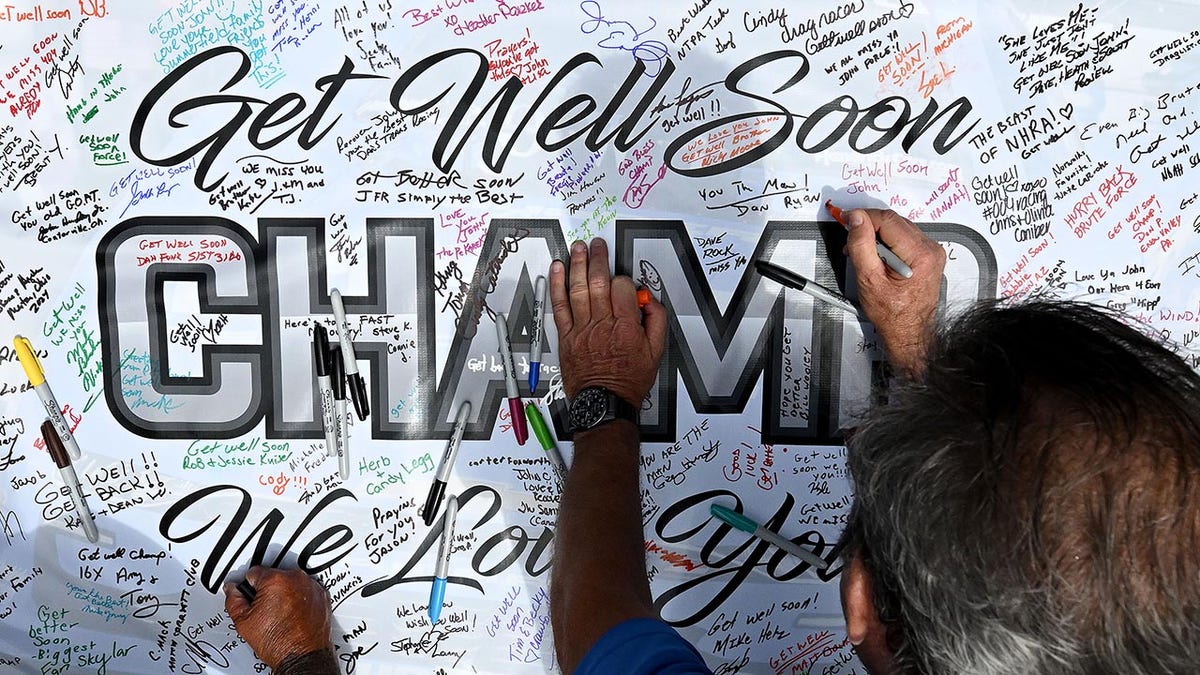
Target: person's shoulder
(642,647)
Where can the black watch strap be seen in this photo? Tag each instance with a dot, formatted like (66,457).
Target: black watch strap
(623,410)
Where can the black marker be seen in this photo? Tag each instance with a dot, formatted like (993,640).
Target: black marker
(338,375)
(247,591)
(325,388)
(438,489)
(809,287)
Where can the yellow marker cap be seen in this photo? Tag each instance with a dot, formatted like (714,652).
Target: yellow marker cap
(29,361)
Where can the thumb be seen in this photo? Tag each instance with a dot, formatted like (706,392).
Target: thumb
(860,245)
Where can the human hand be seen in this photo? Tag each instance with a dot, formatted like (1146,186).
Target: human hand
(903,310)
(290,616)
(603,339)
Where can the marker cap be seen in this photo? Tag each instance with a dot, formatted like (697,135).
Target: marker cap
(540,429)
(433,501)
(779,275)
(54,445)
(358,394)
(321,350)
(517,411)
(446,545)
(734,518)
(437,594)
(345,343)
(29,360)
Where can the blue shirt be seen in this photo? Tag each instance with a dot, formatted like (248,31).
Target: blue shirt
(642,647)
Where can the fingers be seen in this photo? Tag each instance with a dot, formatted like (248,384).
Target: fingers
(624,299)
(236,605)
(558,297)
(860,245)
(599,280)
(653,316)
(587,292)
(256,574)
(314,584)
(297,578)
(900,234)
(654,319)
(905,239)
(301,583)
(577,285)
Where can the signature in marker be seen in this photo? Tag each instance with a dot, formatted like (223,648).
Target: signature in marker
(623,36)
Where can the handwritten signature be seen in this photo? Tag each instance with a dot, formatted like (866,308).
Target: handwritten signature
(428,643)
(621,35)
(637,169)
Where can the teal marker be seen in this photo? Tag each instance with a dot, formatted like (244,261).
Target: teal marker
(546,440)
(745,524)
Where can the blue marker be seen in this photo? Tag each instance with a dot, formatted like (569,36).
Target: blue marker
(438,592)
(535,346)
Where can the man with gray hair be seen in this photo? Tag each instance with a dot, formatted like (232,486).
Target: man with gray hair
(1027,500)
(1030,503)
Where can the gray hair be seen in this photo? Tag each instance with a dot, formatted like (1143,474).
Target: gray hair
(1031,504)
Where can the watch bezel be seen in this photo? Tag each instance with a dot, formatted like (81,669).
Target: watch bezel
(588,407)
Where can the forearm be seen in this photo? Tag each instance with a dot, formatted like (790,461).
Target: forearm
(904,331)
(599,577)
(906,355)
(320,662)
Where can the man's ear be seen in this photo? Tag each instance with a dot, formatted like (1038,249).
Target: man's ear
(857,603)
(864,629)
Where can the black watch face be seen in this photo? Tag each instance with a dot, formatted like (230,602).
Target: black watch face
(588,408)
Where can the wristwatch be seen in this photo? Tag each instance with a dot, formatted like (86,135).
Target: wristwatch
(593,406)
